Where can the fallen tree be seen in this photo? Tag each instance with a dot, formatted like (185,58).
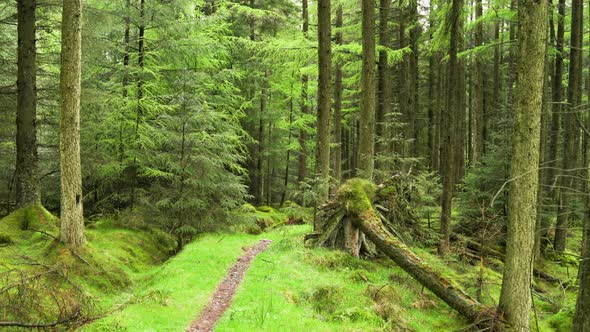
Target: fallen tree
(353,215)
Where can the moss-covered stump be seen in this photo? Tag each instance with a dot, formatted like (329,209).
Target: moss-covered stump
(351,222)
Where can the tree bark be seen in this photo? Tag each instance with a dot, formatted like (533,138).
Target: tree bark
(452,142)
(571,135)
(302,160)
(324,95)
(72,219)
(515,298)
(366,161)
(27,182)
(479,89)
(338,89)
(433,114)
(581,320)
(384,91)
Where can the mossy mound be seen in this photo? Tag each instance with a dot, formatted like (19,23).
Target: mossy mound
(24,223)
(264,208)
(65,283)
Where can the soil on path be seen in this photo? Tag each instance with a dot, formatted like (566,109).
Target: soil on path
(221,299)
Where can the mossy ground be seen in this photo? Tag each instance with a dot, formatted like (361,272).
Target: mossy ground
(288,288)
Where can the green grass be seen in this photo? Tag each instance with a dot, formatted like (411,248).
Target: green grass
(291,288)
(172,295)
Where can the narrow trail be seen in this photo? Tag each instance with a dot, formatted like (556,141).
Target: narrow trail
(221,299)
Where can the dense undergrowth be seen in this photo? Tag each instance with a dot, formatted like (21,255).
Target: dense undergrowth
(123,280)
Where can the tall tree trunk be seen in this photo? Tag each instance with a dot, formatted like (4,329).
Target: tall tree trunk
(556,90)
(479,89)
(139,110)
(581,317)
(72,219)
(366,161)
(338,89)
(401,147)
(27,182)
(571,137)
(542,191)
(253,173)
(384,90)
(515,297)
(324,95)
(413,73)
(302,168)
(125,83)
(433,114)
(451,124)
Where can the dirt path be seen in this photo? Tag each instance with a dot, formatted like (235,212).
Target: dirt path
(221,299)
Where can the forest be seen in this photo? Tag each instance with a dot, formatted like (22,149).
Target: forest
(295,165)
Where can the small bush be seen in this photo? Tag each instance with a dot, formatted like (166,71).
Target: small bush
(325,299)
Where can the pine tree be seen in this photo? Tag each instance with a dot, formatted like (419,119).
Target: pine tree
(366,159)
(515,298)
(324,95)
(27,191)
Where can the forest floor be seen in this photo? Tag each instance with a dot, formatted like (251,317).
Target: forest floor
(288,287)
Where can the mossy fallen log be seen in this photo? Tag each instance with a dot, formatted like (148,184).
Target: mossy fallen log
(355,197)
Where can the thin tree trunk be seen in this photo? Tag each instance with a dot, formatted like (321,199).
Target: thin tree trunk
(479,89)
(433,114)
(260,154)
(302,168)
(324,95)
(288,160)
(384,91)
(451,125)
(72,219)
(515,298)
(26,177)
(366,161)
(571,136)
(139,110)
(125,83)
(413,73)
(338,89)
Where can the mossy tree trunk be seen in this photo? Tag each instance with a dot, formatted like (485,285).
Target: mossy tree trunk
(27,192)
(515,298)
(72,219)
